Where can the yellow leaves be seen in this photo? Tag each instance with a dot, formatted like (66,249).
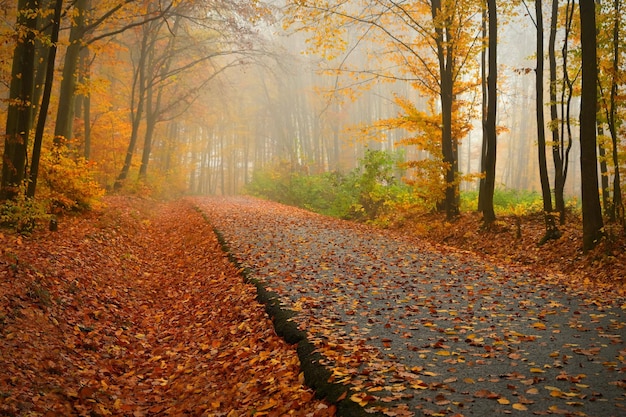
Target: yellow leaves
(421,385)
(539,325)
(362,398)
(519,407)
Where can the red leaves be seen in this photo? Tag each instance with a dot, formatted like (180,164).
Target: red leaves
(136,311)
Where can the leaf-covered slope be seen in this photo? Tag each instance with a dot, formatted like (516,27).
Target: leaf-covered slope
(136,311)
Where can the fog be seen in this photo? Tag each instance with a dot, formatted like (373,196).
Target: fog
(286,107)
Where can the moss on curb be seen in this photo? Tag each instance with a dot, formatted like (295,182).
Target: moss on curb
(316,376)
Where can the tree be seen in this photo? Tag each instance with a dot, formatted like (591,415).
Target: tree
(87,19)
(489,156)
(176,58)
(138,96)
(20,110)
(45,102)
(593,227)
(429,43)
(559,160)
(611,78)
(552,231)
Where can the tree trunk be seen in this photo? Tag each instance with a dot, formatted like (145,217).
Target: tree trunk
(137,107)
(82,106)
(63,129)
(592,212)
(617,208)
(559,180)
(566,103)
(483,89)
(151,121)
(155,98)
(45,101)
(552,231)
(41,54)
(604,173)
(489,214)
(19,112)
(444,56)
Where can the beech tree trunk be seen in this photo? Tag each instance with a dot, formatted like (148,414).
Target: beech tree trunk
(445,58)
(552,231)
(593,225)
(557,137)
(63,129)
(19,113)
(45,101)
(489,214)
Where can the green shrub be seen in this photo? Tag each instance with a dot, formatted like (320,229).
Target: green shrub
(506,201)
(367,193)
(23,214)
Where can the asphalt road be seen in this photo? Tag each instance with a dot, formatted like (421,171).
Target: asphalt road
(419,330)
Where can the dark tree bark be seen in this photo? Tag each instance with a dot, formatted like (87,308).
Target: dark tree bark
(489,214)
(557,137)
(483,89)
(45,101)
(446,72)
(567,94)
(617,208)
(604,174)
(19,113)
(65,112)
(593,225)
(552,231)
(83,101)
(41,53)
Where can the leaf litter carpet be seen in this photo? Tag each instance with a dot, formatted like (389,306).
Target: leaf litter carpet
(136,311)
(419,330)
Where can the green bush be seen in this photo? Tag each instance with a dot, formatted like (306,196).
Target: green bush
(325,193)
(22,214)
(505,201)
(367,193)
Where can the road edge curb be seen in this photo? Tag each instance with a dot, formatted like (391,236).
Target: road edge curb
(316,375)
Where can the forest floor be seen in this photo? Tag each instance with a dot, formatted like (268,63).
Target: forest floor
(134,310)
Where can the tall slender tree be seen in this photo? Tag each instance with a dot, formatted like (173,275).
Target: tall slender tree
(20,110)
(593,225)
(559,180)
(491,138)
(552,231)
(45,101)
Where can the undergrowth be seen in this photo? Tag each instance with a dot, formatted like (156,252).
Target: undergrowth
(374,192)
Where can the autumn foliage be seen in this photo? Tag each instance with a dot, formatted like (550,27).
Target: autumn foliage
(131,311)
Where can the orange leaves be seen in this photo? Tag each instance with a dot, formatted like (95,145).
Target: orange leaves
(113,327)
